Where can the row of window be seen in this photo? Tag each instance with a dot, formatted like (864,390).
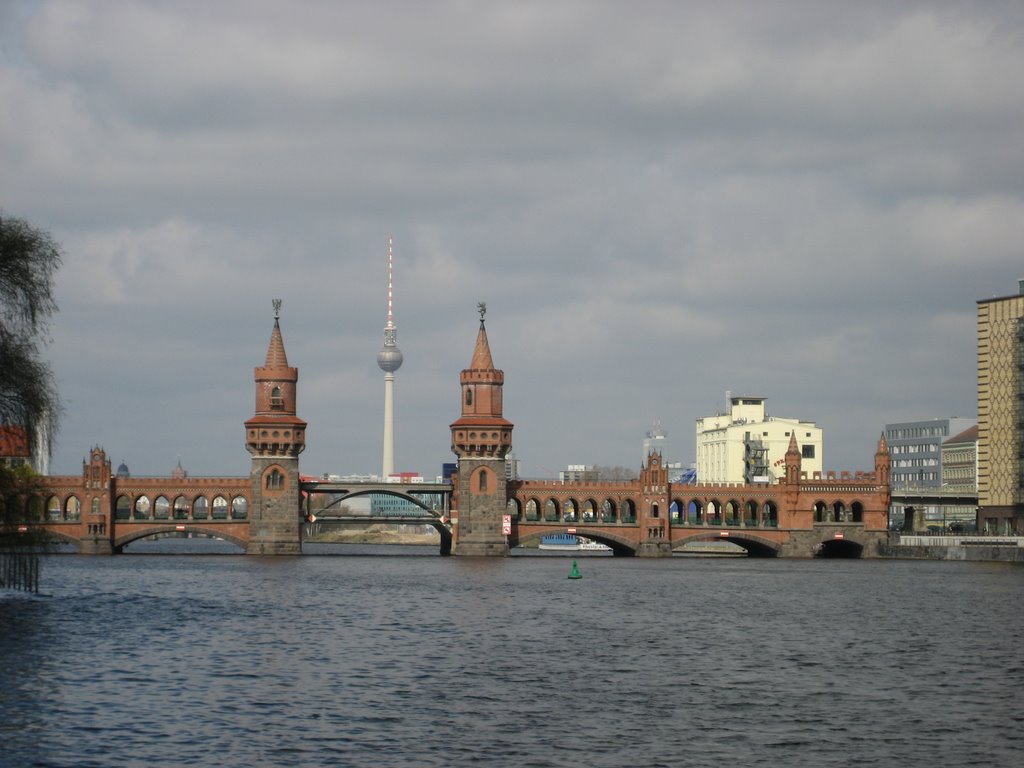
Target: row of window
(915,448)
(904,433)
(160,508)
(201,508)
(905,479)
(916,463)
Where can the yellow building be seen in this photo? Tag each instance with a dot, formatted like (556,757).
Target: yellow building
(1001,414)
(746,445)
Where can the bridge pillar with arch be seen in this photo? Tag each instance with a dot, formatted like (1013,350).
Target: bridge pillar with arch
(481,439)
(275,437)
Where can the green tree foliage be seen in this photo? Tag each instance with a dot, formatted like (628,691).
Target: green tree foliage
(29,259)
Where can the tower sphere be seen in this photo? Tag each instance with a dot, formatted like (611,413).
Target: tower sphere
(389,359)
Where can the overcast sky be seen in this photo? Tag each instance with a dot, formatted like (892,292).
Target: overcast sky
(659,202)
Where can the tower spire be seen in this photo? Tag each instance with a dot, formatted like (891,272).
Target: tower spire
(389,359)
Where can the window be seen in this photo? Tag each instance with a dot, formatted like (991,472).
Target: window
(275,480)
(483,482)
(469,396)
(807,451)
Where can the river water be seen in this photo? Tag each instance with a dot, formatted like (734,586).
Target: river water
(176,660)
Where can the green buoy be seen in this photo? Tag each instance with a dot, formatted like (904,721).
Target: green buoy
(575,572)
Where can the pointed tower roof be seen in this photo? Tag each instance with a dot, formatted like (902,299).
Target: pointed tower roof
(276,358)
(482,353)
(482,360)
(793,447)
(883,446)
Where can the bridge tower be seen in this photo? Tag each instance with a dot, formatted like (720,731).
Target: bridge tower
(481,439)
(275,437)
(653,512)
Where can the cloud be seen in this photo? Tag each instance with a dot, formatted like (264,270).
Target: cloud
(658,203)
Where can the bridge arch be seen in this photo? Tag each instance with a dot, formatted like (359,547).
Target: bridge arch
(513,509)
(756,546)
(589,511)
(675,511)
(123,507)
(628,511)
(714,511)
(569,511)
(200,508)
(838,511)
(620,546)
(342,496)
(33,507)
(72,508)
(609,511)
(161,508)
(220,507)
(551,512)
(821,513)
(142,508)
(695,511)
(750,516)
(532,510)
(857,512)
(839,548)
(732,512)
(180,508)
(142,532)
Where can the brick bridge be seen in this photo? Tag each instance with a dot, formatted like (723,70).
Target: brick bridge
(481,512)
(798,517)
(842,519)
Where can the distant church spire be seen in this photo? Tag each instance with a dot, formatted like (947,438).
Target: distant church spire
(389,359)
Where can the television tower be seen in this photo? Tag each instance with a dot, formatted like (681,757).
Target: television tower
(390,360)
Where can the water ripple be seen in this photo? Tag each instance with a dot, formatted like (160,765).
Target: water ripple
(445,662)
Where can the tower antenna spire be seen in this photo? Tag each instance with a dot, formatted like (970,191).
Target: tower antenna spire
(391,272)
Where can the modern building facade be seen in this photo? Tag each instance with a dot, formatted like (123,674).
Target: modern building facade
(915,449)
(1001,413)
(960,478)
(579,473)
(747,445)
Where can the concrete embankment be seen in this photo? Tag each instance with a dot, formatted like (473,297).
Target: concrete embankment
(1007,549)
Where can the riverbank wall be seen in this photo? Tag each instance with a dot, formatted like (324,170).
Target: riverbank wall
(1003,549)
